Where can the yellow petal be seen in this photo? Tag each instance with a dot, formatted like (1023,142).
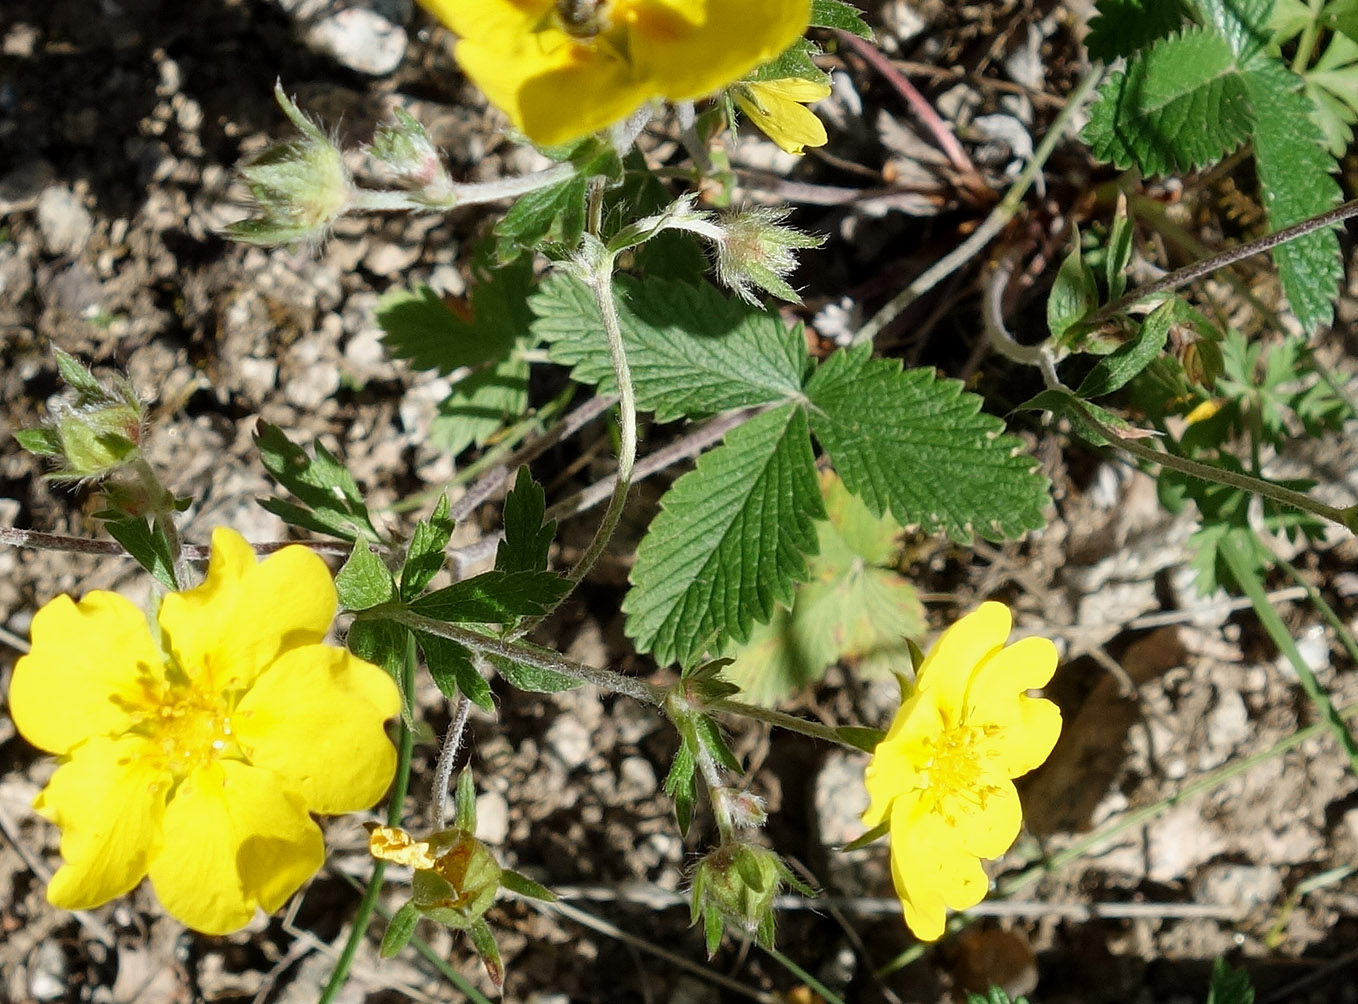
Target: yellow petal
(930,872)
(1026,727)
(235,839)
(774,107)
(89,667)
(950,664)
(315,718)
(495,18)
(893,770)
(108,799)
(692,48)
(984,824)
(224,632)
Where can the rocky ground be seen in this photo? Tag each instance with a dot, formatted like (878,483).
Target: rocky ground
(119,126)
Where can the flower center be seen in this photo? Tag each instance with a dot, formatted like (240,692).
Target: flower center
(190,726)
(957,767)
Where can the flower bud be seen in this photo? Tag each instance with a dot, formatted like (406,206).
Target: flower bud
(744,809)
(456,876)
(300,187)
(756,252)
(93,433)
(405,148)
(736,884)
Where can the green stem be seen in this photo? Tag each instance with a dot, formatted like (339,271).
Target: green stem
(1306,45)
(998,219)
(470,194)
(1346,517)
(605,679)
(1247,578)
(395,807)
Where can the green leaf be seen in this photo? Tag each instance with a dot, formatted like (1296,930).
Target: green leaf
(729,542)
(1117,368)
(425,555)
(1229,986)
(1077,412)
(714,743)
(528,538)
(453,671)
(399,931)
(364,581)
(1074,293)
(533,679)
(464,803)
(43,442)
(387,644)
(837,14)
(680,783)
(1179,106)
(493,598)
(864,739)
(797,60)
(556,212)
(522,885)
(483,402)
(331,501)
(1122,26)
(920,447)
(691,350)
(143,539)
(1243,23)
(1119,254)
(483,940)
(421,327)
(1296,182)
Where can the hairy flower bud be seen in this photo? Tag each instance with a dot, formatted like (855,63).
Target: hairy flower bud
(736,885)
(756,252)
(300,187)
(405,148)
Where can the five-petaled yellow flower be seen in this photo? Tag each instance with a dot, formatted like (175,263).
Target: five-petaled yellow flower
(778,108)
(194,751)
(941,778)
(561,69)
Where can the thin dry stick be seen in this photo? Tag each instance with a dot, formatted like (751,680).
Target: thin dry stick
(925,111)
(998,219)
(40,541)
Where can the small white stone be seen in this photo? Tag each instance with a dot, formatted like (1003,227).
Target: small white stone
(363,40)
(492,818)
(65,223)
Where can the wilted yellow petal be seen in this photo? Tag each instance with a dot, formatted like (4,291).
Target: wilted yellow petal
(108,799)
(316,718)
(393,844)
(235,839)
(91,665)
(775,107)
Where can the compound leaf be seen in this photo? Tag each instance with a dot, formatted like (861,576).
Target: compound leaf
(528,537)
(332,503)
(730,541)
(692,351)
(920,447)
(1180,105)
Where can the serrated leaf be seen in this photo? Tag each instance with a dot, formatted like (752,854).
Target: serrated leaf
(1114,370)
(43,442)
(331,501)
(1243,23)
(729,542)
(691,350)
(556,212)
(1229,986)
(528,538)
(143,540)
(1077,413)
(837,14)
(1122,26)
(493,598)
(432,334)
(399,931)
(797,60)
(1296,183)
(482,403)
(920,448)
(533,679)
(364,581)
(452,670)
(425,555)
(1179,106)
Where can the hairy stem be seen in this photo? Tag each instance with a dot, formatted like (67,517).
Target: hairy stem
(443,768)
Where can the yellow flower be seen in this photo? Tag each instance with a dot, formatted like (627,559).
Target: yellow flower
(778,108)
(561,69)
(193,752)
(941,778)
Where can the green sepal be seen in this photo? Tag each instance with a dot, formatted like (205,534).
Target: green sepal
(522,885)
(145,542)
(861,738)
(872,836)
(484,943)
(399,931)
